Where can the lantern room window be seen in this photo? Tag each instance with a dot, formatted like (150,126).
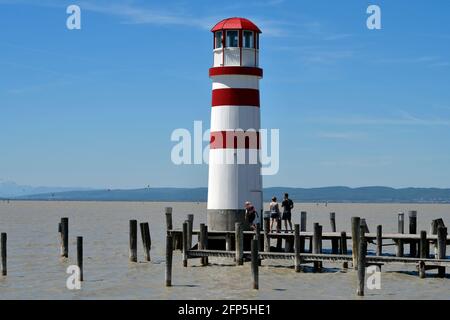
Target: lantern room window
(218,39)
(232,39)
(248,39)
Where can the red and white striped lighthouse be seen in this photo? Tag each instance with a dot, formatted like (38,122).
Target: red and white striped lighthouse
(234,166)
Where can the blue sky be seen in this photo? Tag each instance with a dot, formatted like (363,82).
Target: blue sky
(96,107)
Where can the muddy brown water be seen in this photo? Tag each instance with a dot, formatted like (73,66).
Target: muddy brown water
(35,270)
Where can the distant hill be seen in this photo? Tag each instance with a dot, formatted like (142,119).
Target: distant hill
(9,189)
(330,194)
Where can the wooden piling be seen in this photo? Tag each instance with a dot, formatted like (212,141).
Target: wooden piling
(423,249)
(205,244)
(4,253)
(133,240)
(239,237)
(146,240)
(379,240)
(412,230)
(255,263)
(424,245)
(80,256)
(303,216)
(334,241)
(65,237)
(258,238)
(401,222)
(297,248)
(362,252)
(190,220)
(202,244)
(401,229)
(442,242)
(356,223)
(364,224)
(169,225)
(61,250)
(435,224)
(266,235)
(185,243)
(344,248)
(441,248)
(228,242)
(317,244)
(169,258)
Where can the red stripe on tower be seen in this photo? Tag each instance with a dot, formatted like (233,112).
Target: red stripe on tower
(235,97)
(245,71)
(235,140)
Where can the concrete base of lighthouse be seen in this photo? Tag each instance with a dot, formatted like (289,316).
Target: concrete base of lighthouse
(224,220)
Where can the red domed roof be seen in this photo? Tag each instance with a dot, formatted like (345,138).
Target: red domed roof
(236,23)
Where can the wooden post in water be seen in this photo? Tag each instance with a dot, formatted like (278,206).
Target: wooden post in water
(435,224)
(356,223)
(185,243)
(65,237)
(423,249)
(239,236)
(379,240)
(266,235)
(317,244)
(412,230)
(334,241)
(303,216)
(190,220)
(255,264)
(442,247)
(203,243)
(362,252)
(4,253)
(228,242)
(258,238)
(60,239)
(297,247)
(80,256)
(169,225)
(344,247)
(401,230)
(133,240)
(146,240)
(169,257)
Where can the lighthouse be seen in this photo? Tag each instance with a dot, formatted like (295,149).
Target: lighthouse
(234,163)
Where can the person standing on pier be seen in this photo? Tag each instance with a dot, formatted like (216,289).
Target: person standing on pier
(250,215)
(287,205)
(275,214)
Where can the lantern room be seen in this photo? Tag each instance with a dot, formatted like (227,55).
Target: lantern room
(236,43)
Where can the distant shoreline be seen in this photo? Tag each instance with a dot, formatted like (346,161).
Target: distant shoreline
(321,203)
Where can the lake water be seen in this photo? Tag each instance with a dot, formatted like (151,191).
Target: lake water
(35,270)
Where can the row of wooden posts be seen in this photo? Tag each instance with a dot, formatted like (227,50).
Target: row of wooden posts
(359,229)
(63,230)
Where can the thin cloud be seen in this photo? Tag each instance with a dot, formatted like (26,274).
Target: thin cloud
(381,161)
(406,120)
(341,135)
(131,13)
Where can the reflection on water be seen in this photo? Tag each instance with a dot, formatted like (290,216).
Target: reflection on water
(36,271)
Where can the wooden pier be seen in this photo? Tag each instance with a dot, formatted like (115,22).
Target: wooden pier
(255,246)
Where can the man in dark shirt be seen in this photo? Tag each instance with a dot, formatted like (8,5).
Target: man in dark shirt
(287,206)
